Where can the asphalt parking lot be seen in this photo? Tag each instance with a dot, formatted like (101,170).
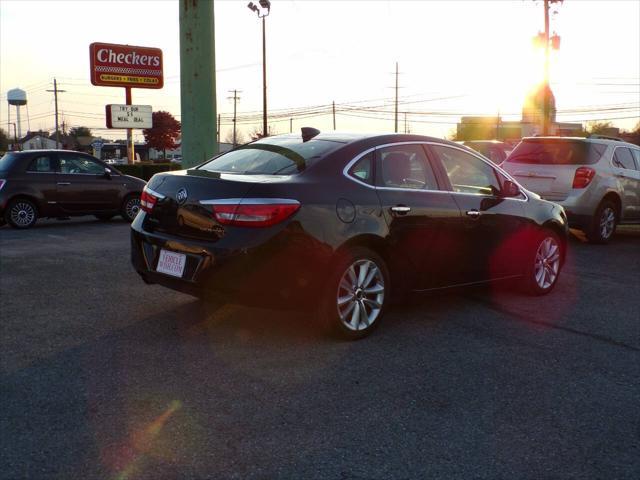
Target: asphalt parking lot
(103,376)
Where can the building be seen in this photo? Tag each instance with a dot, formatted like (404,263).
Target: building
(490,128)
(37,141)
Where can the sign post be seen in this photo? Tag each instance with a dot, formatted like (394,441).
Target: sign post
(127,66)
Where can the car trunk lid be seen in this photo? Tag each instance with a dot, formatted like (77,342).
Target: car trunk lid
(183,205)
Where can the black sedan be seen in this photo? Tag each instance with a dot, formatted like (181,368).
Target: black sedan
(61,183)
(341,223)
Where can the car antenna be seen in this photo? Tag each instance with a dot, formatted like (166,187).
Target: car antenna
(308,133)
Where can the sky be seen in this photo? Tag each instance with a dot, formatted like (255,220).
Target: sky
(454,57)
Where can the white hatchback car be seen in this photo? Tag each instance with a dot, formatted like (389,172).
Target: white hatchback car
(596,179)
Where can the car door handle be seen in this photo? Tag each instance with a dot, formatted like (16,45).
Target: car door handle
(401,209)
(64,183)
(473,213)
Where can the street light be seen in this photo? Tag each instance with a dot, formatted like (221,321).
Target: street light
(262,13)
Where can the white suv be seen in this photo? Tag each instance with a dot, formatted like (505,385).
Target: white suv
(596,179)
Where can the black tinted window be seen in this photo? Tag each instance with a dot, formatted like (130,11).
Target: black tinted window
(557,152)
(272,156)
(362,170)
(41,164)
(467,174)
(406,166)
(622,158)
(70,163)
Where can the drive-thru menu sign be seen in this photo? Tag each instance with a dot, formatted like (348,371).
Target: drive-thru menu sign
(126,66)
(129,116)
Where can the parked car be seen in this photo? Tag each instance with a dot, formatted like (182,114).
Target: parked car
(494,150)
(60,183)
(596,179)
(339,223)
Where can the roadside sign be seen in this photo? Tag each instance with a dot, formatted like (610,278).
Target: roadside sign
(97,144)
(129,116)
(115,65)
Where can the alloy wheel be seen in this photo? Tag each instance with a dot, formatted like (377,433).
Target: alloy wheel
(547,263)
(607,222)
(23,214)
(132,207)
(360,295)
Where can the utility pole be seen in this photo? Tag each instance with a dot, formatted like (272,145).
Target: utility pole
(235,98)
(55,96)
(264,78)
(547,87)
(218,132)
(290,124)
(334,115)
(396,115)
(405,122)
(197,81)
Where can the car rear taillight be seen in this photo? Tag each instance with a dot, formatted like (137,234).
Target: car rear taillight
(583,177)
(148,199)
(252,212)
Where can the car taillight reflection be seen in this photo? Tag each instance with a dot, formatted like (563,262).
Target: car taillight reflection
(148,199)
(583,177)
(254,212)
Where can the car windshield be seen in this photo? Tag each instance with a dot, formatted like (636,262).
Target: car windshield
(7,160)
(557,152)
(272,156)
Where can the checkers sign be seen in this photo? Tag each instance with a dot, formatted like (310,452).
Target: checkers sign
(125,66)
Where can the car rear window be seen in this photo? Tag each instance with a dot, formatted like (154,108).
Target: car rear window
(557,152)
(272,156)
(7,161)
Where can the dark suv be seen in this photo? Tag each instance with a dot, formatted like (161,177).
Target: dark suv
(60,183)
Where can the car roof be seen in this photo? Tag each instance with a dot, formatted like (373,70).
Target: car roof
(51,150)
(605,141)
(351,137)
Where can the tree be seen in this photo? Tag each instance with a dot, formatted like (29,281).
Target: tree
(599,128)
(240,138)
(633,136)
(76,132)
(164,133)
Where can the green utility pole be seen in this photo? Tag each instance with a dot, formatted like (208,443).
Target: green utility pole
(197,81)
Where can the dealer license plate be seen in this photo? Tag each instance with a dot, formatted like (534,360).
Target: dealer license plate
(171,263)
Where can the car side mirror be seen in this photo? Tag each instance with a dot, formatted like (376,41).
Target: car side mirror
(107,172)
(510,189)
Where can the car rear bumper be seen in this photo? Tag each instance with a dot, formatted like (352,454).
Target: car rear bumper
(286,272)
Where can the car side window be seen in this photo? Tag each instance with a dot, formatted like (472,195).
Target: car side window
(42,164)
(636,154)
(622,158)
(406,166)
(362,170)
(467,173)
(70,163)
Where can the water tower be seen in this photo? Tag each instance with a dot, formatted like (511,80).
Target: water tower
(18,98)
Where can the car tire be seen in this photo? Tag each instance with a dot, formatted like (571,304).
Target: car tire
(603,224)
(130,207)
(543,264)
(104,217)
(356,294)
(21,213)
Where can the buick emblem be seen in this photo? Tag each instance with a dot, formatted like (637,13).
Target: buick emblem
(181,196)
